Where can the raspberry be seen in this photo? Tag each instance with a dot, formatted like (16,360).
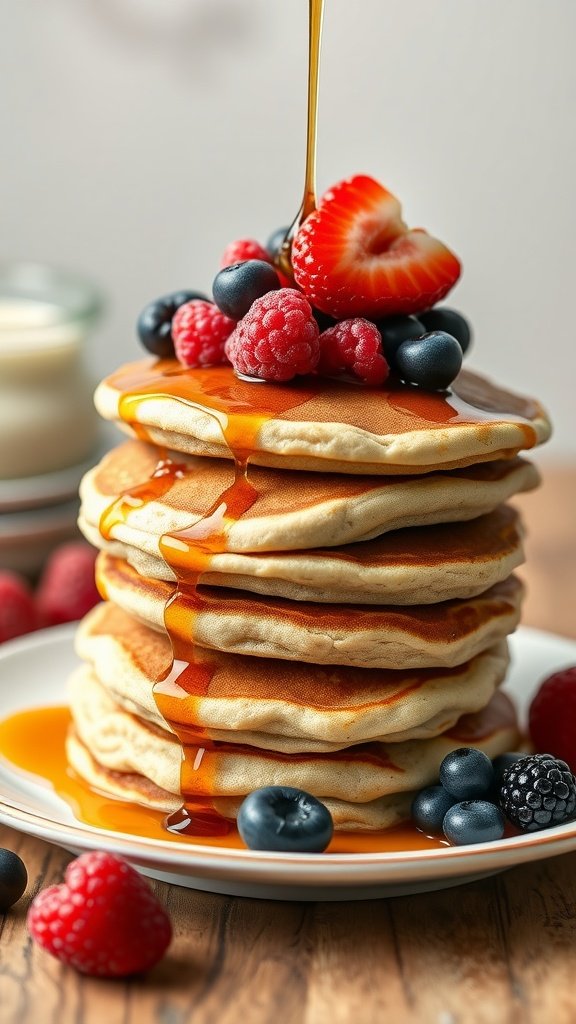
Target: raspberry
(67,590)
(199,331)
(277,339)
(354,345)
(103,920)
(552,716)
(538,791)
(17,611)
(242,250)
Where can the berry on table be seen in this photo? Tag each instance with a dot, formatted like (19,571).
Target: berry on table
(395,330)
(241,250)
(236,287)
(466,773)
(473,821)
(200,331)
(277,339)
(432,361)
(276,241)
(552,716)
(449,320)
(13,879)
(500,764)
(284,819)
(356,346)
(155,322)
(355,256)
(429,808)
(17,609)
(538,791)
(104,919)
(67,590)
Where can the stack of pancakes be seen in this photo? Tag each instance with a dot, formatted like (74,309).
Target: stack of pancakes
(340,631)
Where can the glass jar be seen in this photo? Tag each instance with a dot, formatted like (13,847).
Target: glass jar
(47,417)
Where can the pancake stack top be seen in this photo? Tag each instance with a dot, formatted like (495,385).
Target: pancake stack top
(334,620)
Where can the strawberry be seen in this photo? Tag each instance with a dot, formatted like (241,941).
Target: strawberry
(355,256)
(67,590)
(103,920)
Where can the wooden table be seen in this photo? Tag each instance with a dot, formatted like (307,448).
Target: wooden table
(501,951)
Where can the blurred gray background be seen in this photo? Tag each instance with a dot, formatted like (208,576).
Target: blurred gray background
(140,136)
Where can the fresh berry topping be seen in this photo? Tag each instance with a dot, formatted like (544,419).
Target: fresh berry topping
(67,590)
(103,920)
(355,346)
(277,339)
(450,321)
(466,773)
(355,256)
(155,322)
(17,610)
(432,361)
(429,807)
(552,717)
(200,330)
(537,792)
(242,250)
(276,241)
(473,821)
(283,818)
(236,287)
(13,879)
(395,330)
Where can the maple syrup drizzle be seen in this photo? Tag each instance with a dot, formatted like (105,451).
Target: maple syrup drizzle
(315,15)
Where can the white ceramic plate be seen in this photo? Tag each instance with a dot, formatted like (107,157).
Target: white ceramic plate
(33,672)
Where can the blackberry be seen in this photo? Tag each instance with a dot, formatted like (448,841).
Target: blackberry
(539,791)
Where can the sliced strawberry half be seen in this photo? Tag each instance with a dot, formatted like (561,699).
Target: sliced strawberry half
(355,256)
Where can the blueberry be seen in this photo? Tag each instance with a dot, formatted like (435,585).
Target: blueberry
(466,773)
(276,241)
(473,821)
(429,807)
(450,321)
(395,330)
(236,287)
(155,322)
(432,361)
(13,879)
(283,818)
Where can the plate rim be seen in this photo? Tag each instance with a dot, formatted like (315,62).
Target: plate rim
(266,867)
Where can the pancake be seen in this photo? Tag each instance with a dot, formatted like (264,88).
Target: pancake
(320,426)
(136,788)
(359,775)
(292,511)
(278,705)
(365,636)
(413,566)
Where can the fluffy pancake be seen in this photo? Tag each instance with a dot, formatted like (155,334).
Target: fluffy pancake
(413,566)
(365,636)
(360,775)
(284,706)
(292,511)
(335,427)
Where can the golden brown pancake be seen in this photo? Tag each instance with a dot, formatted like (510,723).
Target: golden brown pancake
(279,705)
(292,511)
(318,425)
(366,636)
(360,775)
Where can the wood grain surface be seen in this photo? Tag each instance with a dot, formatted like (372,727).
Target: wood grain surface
(500,951)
